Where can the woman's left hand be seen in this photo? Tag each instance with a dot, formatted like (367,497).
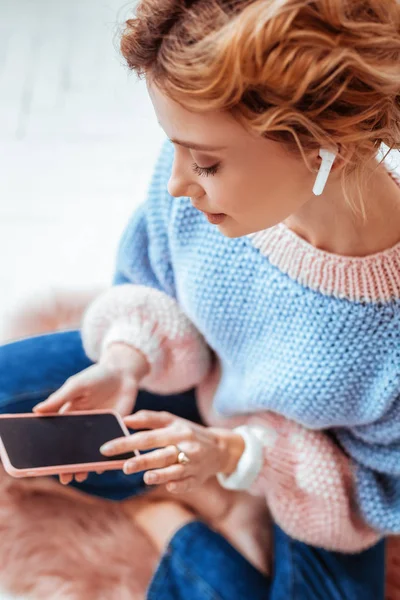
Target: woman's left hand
(209,450)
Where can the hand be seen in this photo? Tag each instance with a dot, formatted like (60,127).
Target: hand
(210,450)
(111,383)
(97,387)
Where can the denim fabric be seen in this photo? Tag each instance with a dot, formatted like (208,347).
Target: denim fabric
(199,564)
(306,573)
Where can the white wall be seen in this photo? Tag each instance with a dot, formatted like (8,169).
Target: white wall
(77,142)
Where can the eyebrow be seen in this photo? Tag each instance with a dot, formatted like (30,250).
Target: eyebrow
(193,146)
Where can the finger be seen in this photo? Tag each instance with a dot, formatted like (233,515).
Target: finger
(149,419)
(161,476)
(179,487)
(99,472)
(79,477)
(55,401)
(65,408)
(164,457)
(145,440)
(66,478)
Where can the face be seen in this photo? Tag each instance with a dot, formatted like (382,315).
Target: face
(243,183)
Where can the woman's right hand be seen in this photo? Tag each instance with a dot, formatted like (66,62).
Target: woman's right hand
(111,383)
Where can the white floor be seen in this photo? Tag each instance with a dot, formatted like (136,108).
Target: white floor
(77,142)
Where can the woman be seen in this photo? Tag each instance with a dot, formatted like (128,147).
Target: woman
(276,111)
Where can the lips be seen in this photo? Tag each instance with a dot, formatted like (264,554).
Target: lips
(215,219)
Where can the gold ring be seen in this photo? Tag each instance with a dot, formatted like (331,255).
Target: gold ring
(182,457)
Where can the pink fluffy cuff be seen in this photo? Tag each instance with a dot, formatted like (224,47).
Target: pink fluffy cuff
(153,323)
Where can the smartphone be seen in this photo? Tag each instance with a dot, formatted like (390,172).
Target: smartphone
(33,445)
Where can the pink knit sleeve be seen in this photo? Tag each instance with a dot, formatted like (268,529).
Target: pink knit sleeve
(308,484)
(153,323)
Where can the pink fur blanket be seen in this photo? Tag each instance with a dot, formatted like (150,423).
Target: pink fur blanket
(59,543)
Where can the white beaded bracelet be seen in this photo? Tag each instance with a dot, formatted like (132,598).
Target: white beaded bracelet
(249,465)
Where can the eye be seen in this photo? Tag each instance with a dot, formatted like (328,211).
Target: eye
(206,171)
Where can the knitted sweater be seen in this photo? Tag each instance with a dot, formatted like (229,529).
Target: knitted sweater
(308,349)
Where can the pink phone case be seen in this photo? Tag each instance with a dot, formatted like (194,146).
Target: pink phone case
(54,470)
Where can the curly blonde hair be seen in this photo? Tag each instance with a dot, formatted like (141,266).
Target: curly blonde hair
(307,73)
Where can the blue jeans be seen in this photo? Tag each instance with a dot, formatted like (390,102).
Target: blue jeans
(198,564)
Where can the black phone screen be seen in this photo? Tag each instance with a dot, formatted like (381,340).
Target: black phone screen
(33,442)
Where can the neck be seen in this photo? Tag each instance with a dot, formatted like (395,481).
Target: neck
(327,222)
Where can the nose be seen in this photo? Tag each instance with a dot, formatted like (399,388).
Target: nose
(178,187)
(181,184)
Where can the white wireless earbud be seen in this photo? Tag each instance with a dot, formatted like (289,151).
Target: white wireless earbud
(328,158)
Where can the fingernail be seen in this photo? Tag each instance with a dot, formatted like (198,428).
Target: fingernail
(150,478)
(130,467)
(105,448)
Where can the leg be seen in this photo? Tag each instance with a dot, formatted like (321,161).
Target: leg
(243,520)
(198,563)
(303,572)
(201,565)
(32,368)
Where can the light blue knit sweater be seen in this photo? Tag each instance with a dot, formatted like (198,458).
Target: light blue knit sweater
(312,336)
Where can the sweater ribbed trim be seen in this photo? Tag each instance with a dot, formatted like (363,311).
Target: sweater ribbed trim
(372,278)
